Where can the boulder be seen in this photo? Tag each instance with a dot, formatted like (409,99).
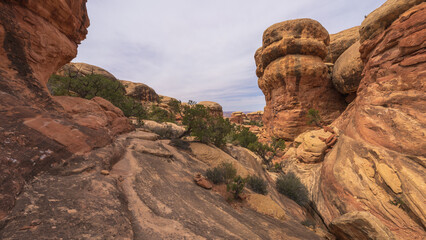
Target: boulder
(214,108)
(166,129)
(312,146)
(293,77)
(347,70)
(360,225)
(340,42)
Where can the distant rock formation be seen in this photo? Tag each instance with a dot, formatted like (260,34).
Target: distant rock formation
(255,116)
(249,118)
(140,91)
(214,108)
(36,130)
(378,162)
(82,69)
(294,78)
(237,117)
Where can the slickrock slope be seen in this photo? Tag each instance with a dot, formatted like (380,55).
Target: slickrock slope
(143,188)
(378,163)
(294,78)
(36,38)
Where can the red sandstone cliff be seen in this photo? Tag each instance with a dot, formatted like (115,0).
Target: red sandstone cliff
(36,38)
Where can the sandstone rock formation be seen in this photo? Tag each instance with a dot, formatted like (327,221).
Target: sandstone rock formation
(237,117)
(214,108)
(82,69)
(377,164)
(145,195)
(140,91)
(255,116)
(36,38)
(294,78)
(341,41)
(348,69)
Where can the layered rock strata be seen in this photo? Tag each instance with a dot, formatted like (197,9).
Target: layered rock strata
(294,78)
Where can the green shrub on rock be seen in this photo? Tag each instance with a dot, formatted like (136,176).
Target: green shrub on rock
(257,184)
(291,186)
(95,85)
(236,187)
(223,173)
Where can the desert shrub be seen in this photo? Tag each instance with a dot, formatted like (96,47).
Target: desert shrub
(176,107)
(179,143)
(257,184)
(243,137)
(223,173)
(95,85)
(160,115)
(206,128)
(255,123)
(236,187)
(314,117)
(291,186)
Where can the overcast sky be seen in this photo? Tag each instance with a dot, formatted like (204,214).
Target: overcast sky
(200,49)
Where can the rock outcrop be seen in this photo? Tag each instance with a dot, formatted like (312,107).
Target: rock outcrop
(341,41)
(347,70)
(294,78)
(82,69)
(378,162)
(140,91)
(214,108)
(36,132)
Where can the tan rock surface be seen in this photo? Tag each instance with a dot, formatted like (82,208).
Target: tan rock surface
(140,91)
(347,70)
(215,108)
(294,78)
(237,117)
(340,42)
(82,69)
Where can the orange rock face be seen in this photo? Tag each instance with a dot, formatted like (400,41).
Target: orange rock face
(294,78)
(36,131)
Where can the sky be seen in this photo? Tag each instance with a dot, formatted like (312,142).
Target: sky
(198,49)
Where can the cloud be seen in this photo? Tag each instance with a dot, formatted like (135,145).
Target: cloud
(199,50)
